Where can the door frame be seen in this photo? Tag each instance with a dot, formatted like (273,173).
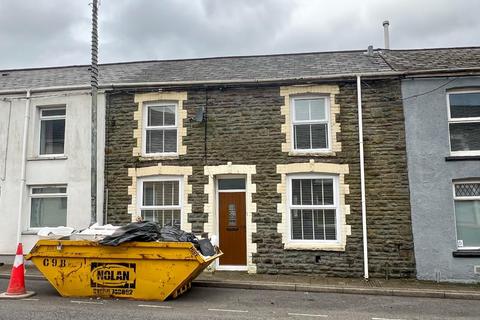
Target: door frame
(218,266)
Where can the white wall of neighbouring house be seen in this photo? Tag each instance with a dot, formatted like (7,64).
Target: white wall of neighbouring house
(71,170)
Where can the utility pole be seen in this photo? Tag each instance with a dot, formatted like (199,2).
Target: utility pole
(94,87)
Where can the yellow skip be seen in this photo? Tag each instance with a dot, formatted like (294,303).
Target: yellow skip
(134,270)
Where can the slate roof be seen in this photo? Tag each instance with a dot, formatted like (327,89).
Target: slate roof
(433,59)
(246,68)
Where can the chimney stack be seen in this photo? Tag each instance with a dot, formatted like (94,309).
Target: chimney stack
(370,50)
(386,35)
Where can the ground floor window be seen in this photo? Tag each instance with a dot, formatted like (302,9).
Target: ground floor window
(313,207)
(467,214)
(48,206)
(161,201)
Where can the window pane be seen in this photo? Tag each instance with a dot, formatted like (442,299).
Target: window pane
(43,190)
(467,214)
(170,140)
(323,191)
(148,215)
(52,112)
(48,212)
(328,191)
(301,107)
(163,217)
(319,229)
(317,185)
(296,196)
(169,115)
(465,105)
(161,193)
(317,109)
(168,191)
(306,189)
(148,193)
(319,136)
(161,115)
(155,116)
(467,190)
(154,143)
(302,136)
(296,225)
(330,225)
(325,224)
(232,215)
(465,136)
(231,184)
(52,135)
(307,224)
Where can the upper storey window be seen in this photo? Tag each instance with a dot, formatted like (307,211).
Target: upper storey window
(52,131)
(310,124)
(464,122)
(161,129)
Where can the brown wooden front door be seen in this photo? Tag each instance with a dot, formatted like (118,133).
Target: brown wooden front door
(232,228)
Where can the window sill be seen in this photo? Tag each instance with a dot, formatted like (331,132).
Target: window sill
(315,246)
(157,157)
(463,158)
(312,154)
(47,158)
(466,254)
(29,232)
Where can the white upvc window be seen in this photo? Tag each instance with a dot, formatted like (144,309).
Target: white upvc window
(160,200)
(160,129)
(464,122)
(311,124)
(313,208)
(52,131)
(466,197)
(48,206)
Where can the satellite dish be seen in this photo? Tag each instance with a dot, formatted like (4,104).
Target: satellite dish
(200,115)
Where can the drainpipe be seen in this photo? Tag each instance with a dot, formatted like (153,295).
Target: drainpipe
(24,167)
(362,177)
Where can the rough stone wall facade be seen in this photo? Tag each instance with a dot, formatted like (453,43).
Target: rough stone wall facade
(244,127)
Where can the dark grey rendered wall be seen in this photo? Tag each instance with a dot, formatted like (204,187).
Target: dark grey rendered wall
(431,177)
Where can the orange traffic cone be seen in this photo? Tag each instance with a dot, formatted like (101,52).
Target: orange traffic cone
(16,287)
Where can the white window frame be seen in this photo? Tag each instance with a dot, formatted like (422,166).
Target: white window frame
(146,127)
(460,120)
(299,122)
(47,118)
(32,195)
(336,206)
(455,198)
(140,205)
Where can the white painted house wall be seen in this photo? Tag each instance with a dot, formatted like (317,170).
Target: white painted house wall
(72,170)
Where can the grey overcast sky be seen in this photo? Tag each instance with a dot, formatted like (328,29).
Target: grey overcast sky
(38,33)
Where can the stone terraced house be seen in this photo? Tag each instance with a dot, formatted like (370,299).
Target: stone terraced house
(263,152)
(291,160)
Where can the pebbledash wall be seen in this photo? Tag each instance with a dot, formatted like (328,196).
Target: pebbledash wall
(432,178)
(247,133)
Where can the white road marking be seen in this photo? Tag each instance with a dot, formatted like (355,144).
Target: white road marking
(86,302)
(153,306)
(307,315)
(30,299)
(227,310)
(385,319)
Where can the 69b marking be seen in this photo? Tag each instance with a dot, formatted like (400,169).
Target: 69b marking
(54,262)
